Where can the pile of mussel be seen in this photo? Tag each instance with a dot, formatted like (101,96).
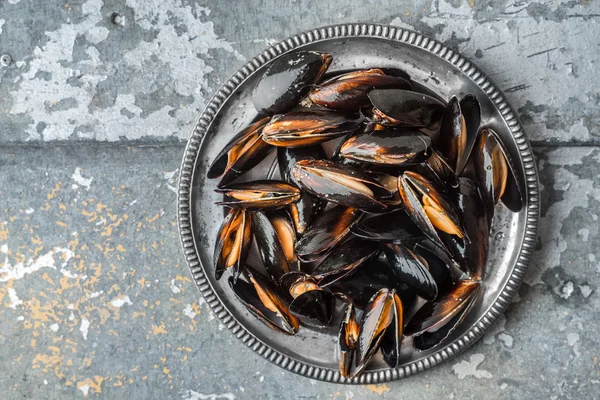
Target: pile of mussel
(385,200)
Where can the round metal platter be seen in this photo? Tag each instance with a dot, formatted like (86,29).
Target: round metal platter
(436,68)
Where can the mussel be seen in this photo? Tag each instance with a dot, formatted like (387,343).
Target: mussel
(307,128)
(383,312)
(428,207)
(233,243)
(308,207)
(241,154)
(344,260)
(262,298)
(403,107)
(312,304)
(495,174)
(386,147)
(412,270)
(459,130)
(259,195)
(341,184)
(347,339)
(470,254)
(349,91)
(288,79)
(392,226)
(324,233)
(275,238)
(436,314)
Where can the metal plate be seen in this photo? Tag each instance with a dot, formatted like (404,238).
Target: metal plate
(312,352)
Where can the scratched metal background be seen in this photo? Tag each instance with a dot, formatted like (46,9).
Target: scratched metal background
(95,299)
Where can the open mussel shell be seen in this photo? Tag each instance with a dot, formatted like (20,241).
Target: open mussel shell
(287,79)
(241,154)
(428,207)
(233,243)
(392,338)
(349,92)
(411,270)
(307,128)
(344,260)
(383,312)
(437,169)
(275,239)
(347,338)
(259,195)
(308,207)
(495,173)
(341,184)
(434,315)
(471,254)
(460,126)
(264,301)
(386,147)
(404,107)
(389,227)
(311,304)
(324,233)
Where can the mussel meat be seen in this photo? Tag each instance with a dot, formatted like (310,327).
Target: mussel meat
(288,79)
(259,195)
(307,128)
(347,339)
(349,91)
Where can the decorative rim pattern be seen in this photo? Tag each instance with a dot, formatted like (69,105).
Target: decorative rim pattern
(339,31)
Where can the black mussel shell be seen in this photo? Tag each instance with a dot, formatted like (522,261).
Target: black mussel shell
(349,92)
(383,312)
(344,260)
(264,301)
(308,128)
(434,315)
(387,147)
(472,254)
(389,227)
(241,154)
(444,271)
(314,307)
(375,274)
(272,252)
(430,339)
(411,270)
(347,338)
(287,79)
(259,195)
(392,338)
(324,233)
(403,107)
(459,130)
(233,243)
(308,207)
(341,184)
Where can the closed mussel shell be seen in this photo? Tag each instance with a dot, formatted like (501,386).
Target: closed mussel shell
(389,227)
(287,79)
(346,258)
(411,270)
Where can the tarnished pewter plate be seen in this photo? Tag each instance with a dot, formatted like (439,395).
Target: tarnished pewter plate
(312,353)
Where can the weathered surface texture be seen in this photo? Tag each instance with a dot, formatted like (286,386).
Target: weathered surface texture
(95,297)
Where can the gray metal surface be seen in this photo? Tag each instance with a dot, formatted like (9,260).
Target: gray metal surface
(312,352)
(143,84)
